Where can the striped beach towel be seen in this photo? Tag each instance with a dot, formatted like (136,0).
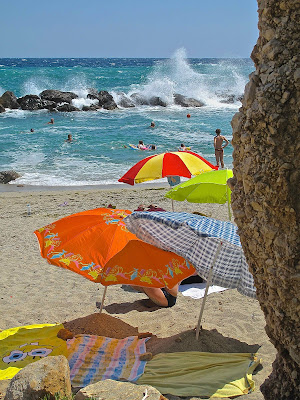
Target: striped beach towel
(95,358)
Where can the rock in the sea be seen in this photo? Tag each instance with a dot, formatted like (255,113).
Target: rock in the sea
(106,100)
(58,96)
(157,101)
(7,176)
(66,108)
(112,390)
(92,107)
(31,102)
(2,109)
(125,101)
(44,378)
(9,100)
(92,94)
(183,101)
(139,100)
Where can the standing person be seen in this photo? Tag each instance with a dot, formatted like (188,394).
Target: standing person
(219,148)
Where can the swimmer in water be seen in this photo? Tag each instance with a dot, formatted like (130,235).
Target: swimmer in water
(69,140)
(152,125)
(51,122)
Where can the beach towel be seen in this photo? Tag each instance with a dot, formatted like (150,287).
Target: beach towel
(94,358)
(197,290)
(201,374)
(26,344)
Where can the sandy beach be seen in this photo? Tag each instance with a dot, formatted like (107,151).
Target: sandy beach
(32,291)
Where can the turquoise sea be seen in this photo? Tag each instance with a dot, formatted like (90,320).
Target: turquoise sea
(97,155)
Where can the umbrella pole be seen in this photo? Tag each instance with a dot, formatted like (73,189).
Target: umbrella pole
(103,297)
(208,283)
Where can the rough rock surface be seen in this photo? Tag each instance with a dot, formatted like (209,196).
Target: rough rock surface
(9,100)
(157,101)
(266,190)
(31,102)
(2,109)
(106,100)
(66,108)
(112,390)
(125,101)
(183,101)
(45,377)
(138,99)
(58,96)
(7,176)
(92,107)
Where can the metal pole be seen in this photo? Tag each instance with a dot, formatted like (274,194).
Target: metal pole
(208,283)
(103,297)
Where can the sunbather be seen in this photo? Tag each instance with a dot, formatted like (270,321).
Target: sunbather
(162,297)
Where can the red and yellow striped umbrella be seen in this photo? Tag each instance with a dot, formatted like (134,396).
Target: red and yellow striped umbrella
(177,163)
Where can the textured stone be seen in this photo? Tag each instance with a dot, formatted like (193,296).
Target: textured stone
(266,192)
(9,100)
(7,176)
(112,390)
(58,96)
(183,101)
(45,377)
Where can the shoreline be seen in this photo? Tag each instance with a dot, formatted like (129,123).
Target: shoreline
(14,187)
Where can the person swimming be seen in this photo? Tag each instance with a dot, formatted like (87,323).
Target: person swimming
(69,139)
(51,122)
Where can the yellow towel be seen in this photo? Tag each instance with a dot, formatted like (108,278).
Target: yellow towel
(201,374)
(26,344)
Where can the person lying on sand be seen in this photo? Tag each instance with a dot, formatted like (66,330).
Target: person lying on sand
(163,297)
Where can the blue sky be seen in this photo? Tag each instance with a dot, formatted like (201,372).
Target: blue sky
(127,28)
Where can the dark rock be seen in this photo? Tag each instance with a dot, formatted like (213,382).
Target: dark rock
(92,107)
(139,100)
(31,102)
(111,390)
(7,176)
(49,105)
(92,94)
(183,101)
(2,109)
(124,101)
(231,99)
(106,100)
(42,379)
(66,108)
(58,96)
(9,100)
(157,101)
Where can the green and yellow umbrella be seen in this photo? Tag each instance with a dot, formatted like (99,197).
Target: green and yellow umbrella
(209,187)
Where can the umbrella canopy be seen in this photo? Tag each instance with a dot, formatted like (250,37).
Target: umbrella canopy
(97,245)
(209,187)
(197,238)
(178,163)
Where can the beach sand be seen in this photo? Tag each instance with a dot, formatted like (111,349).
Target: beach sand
(32,291)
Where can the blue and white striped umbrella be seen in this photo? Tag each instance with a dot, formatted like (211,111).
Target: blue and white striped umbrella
(198,239)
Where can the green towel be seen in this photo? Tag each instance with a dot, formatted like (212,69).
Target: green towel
(201,374)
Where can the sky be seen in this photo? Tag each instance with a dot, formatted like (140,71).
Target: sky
(127,28)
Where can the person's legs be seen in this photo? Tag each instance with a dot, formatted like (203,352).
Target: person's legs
(221,158)
(217,154)
(157,295)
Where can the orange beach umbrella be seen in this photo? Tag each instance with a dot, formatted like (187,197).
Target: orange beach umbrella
(97,245)
(177,163)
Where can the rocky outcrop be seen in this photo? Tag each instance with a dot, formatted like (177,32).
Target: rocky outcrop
(266,190)
(92,94)
(7,176)
(2,109)
(139,100)
(92,107)
(112,390)
(124,101)
(106,100)
(41,379)
(57,96)
(183,101)
(31,102)
(66,108)
(9,100)
(157,101)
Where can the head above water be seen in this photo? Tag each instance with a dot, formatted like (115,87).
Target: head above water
(141,142)
(152,124)
(182,145)
(218,131)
